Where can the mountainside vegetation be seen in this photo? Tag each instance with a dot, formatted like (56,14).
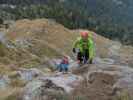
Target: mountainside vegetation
(110,18)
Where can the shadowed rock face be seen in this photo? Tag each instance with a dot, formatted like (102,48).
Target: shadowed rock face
(105,81)
(102,81)
(29,74)
(40,90)
(43,87)
(117,76)
(100,86)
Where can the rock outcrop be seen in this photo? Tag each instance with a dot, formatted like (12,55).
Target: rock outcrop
(31,50)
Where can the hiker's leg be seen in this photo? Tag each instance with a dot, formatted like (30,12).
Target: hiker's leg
(86,55)
(66,67)
(60,68)
(63,67)
(90,61)
(79,57)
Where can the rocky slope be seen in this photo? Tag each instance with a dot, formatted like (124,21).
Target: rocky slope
(30,49)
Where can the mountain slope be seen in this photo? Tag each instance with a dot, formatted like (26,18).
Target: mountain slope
(111,18)
(29,47)
(37,39)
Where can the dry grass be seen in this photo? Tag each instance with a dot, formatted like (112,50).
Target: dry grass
(48,38)
(10,94)
(5,69)
(17,83)
(124,95)
(2,50)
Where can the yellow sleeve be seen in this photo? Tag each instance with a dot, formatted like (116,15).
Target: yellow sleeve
(92,49)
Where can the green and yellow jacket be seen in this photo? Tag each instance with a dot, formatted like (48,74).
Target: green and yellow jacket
(83,45)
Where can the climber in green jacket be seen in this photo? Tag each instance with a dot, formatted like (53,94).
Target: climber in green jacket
(84,47)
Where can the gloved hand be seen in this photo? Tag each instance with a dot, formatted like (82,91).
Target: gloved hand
(74,51)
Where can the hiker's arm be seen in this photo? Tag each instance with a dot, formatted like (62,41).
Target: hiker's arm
(76,43)
(91,49)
